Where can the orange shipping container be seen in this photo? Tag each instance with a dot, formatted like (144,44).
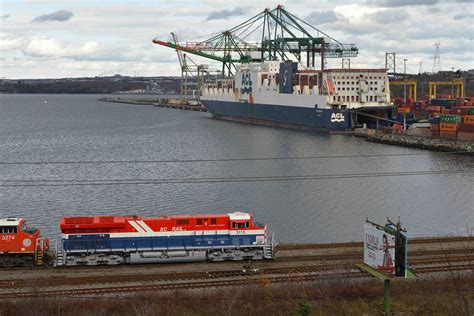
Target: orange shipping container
(434,108)
(468,119)
(448,127)
(448,135)
(403,110)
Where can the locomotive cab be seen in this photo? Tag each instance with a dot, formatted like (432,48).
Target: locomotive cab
(16,237)
(241,224)
(20,244)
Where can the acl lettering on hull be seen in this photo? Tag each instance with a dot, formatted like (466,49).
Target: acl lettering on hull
(337,117)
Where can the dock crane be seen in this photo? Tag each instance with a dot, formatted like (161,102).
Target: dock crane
(411,84)
(458,83)
(191,73)
(270,35)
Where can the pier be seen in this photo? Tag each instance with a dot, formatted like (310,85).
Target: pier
(157,103)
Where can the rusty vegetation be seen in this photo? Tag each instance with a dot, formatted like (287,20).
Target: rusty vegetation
(451,295)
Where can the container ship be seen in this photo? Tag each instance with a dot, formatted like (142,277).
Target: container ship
(288,94)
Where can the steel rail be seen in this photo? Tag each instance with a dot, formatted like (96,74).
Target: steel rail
(262,280)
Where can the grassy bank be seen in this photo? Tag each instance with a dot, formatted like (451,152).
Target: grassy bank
(449,295)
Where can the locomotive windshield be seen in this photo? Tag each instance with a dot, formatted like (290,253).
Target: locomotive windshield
(240,225)
(8,229)
(28,230)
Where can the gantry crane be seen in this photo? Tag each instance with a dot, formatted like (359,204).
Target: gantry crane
(191,73)
(458,83)
(270,35)
(411,84)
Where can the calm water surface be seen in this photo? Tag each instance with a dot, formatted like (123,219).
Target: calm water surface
(79,128)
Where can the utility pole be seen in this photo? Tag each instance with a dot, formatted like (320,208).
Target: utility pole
(405,93)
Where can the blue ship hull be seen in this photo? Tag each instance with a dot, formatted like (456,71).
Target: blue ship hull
(280,115)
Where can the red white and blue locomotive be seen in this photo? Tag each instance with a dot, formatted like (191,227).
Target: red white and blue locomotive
(112,240)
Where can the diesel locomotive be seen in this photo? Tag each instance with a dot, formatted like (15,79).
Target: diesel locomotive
(113,240)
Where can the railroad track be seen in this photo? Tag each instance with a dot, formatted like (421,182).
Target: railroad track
(215,283)
(356,255)
(328,266)
(54,281)
(330,269)
(357,244)
(325,262)
(448,268)
(255,280)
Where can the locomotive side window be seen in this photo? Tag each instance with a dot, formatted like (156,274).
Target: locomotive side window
(182,222)
(233,224)
(8,229)
(247,224)
(240,225)
(213,221)
(199,221)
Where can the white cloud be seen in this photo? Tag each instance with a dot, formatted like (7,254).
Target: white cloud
(48,47)
(10,42)
(119,36)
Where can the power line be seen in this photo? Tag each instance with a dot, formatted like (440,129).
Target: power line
(223,159)
(107,182)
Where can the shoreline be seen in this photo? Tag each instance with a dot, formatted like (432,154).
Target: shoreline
(423,142)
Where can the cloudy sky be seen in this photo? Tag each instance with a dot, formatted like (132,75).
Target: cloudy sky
(66,38)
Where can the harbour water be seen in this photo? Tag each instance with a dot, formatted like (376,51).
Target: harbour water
(65,128)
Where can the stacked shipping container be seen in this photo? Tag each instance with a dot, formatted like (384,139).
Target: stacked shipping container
(449,118)
(459,124)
